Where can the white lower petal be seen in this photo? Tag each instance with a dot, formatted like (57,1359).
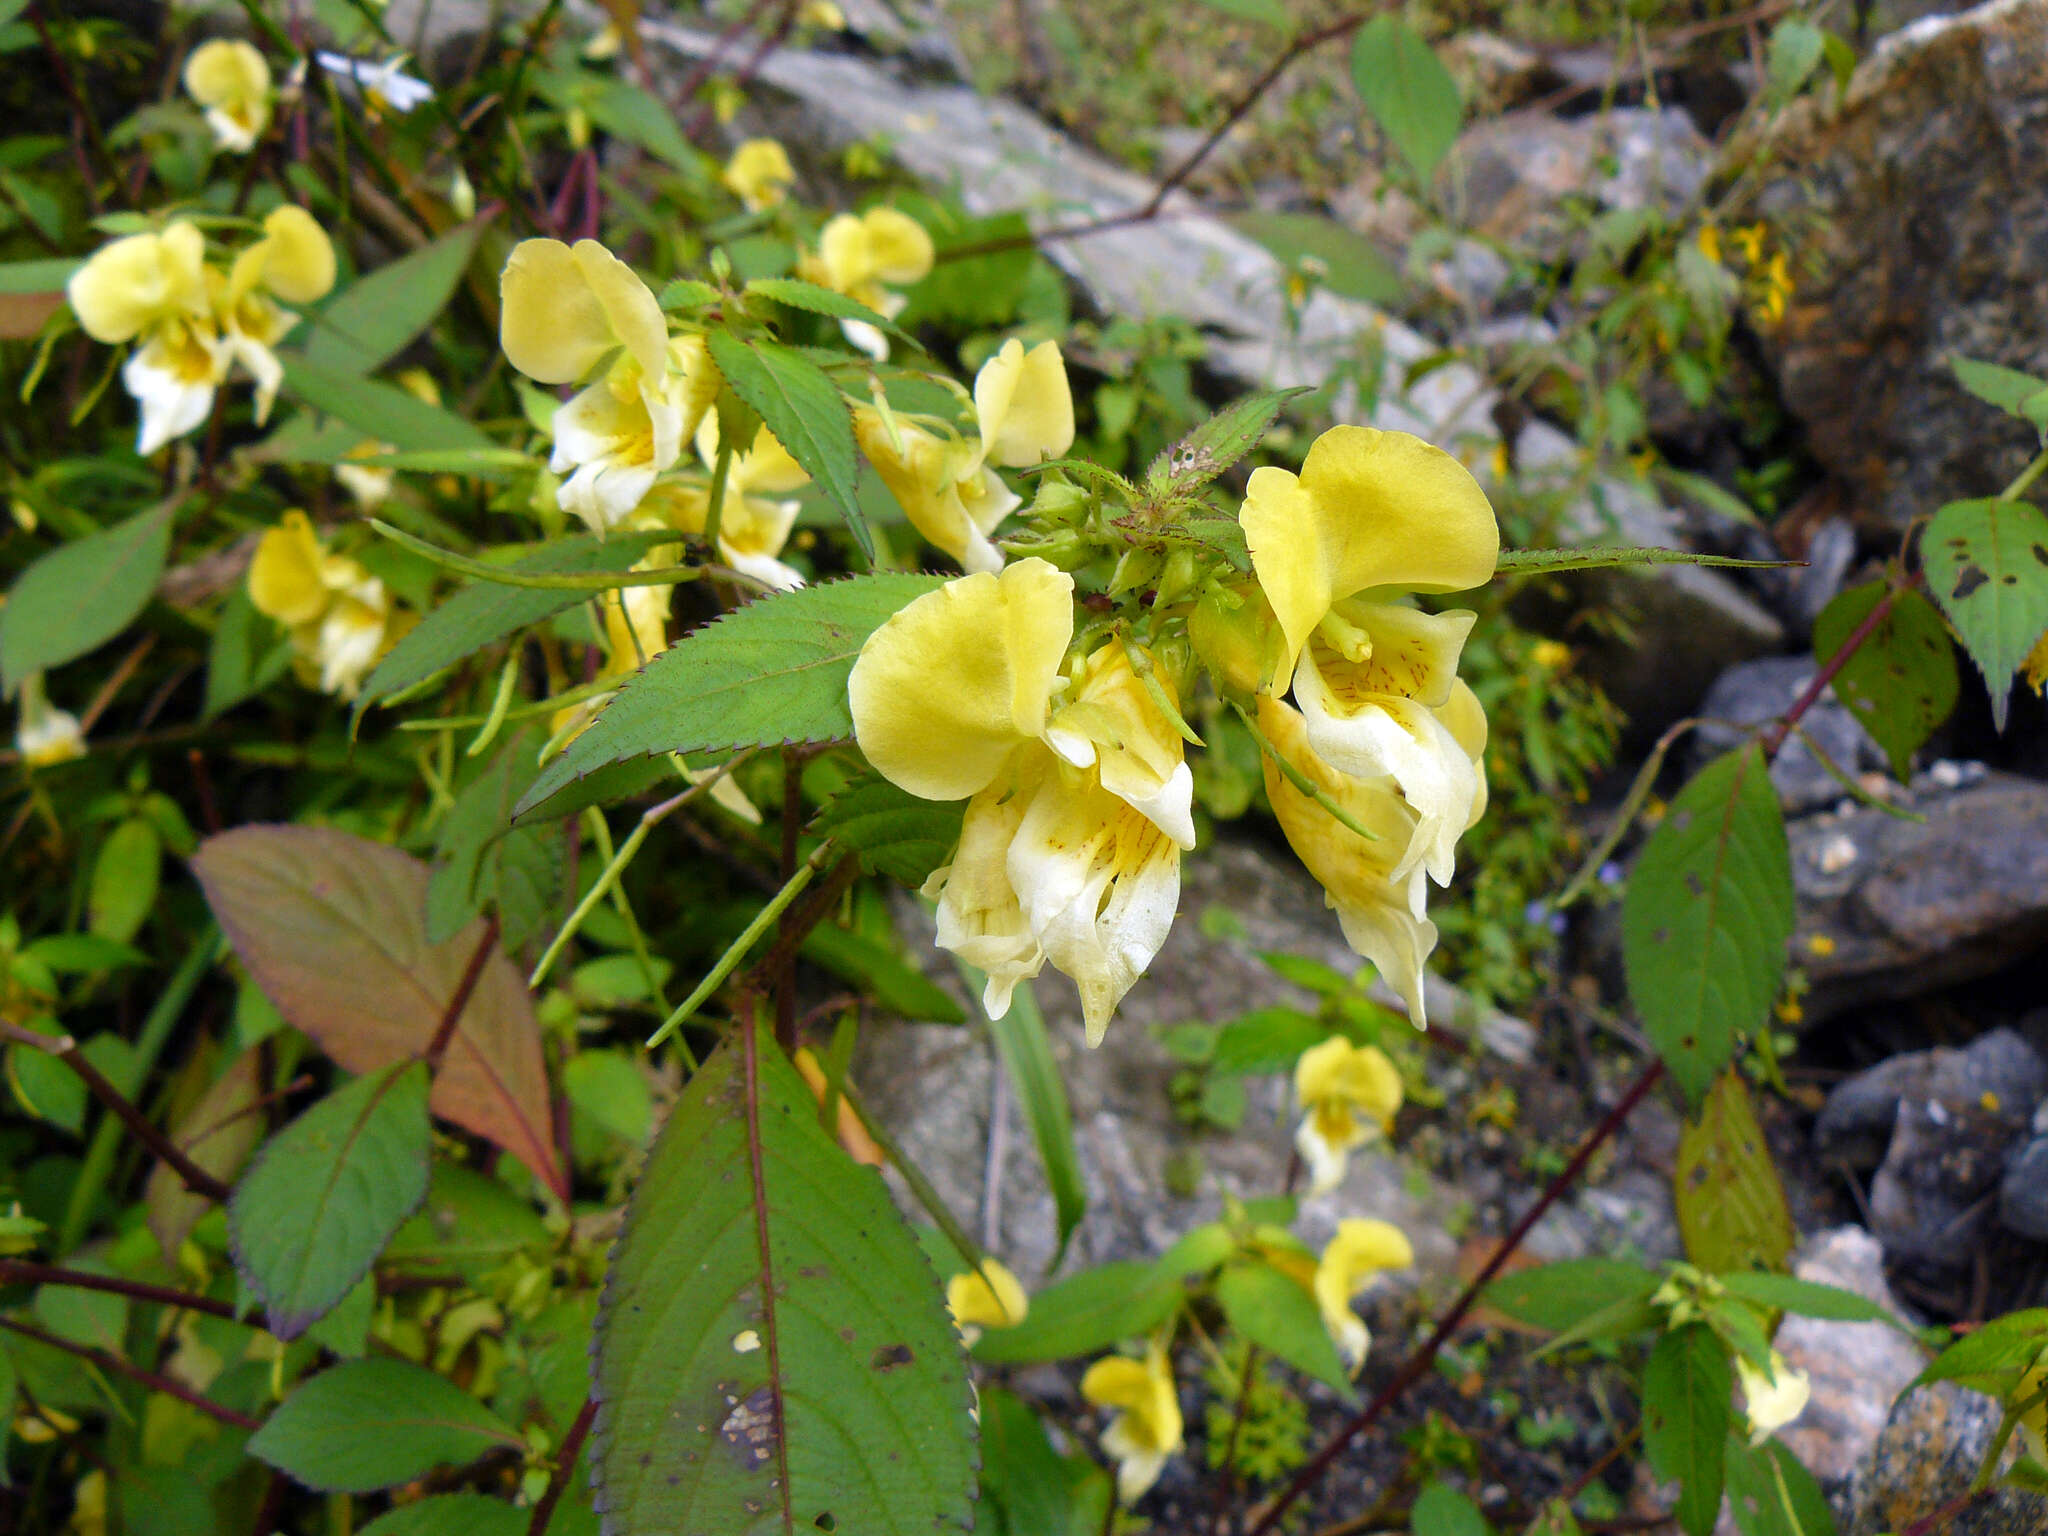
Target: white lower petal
(174,391)
(866,338)
(1137,1466)
(1325,1160)
(979,916)
(1395,940)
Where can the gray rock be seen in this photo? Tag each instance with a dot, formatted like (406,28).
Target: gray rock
(1891,909)
(1920,216)
(2023,1192)
(1756,692)
(1856,1368)
(1929,1451)
(1955,1116)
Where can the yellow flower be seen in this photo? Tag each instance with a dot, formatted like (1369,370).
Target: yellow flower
(369,484)
(1359,1252)
(1349,1095)
(294,261)
(858,254)
(990,1297)
(1709,242)
(338,615)
(942,485)
(759,174)
(1380,911)
(1146,1428)
(153,288)
(1773,1398)
(2035,668)
(230,79)
(1024,405)
(46,735)
(822,13)
(752,528)
(1070,847)
(1551,655)
(2034,1420)
(565,308)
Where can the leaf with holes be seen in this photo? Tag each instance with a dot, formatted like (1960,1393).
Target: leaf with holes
(79,596)
(375,317)
(1409,93)
(1731,1205)
(322,1199)
(1686,1387)
(771,673)
(376,1423)
(1901,682)
(334,930)
(893,831)
(1987,566)
(1706,917)
(1217,443)
(804,410)
(773,1350)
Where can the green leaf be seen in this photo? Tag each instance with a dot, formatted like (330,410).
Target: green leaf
(1275,1313)
(376,317)
(483,862)
(1406,88)
(1440,1510)
(871,963)
(1794,52)
(893,831)
(771,673)
(1529,562)
(1024,1481)
(1555,1297)
(1807,1298)
(688,293)
(1086,1313)
(610,1089)
(1217,443)
(772,1348)
(470,1221)
(125,873)
(326,1193)
(2020,394)
(1266,1040)
(608,785)
(1267,12)
(218,1133)
(1730,1203)
(487,611)
(1771,1493)
(1035,1078)
(798,294)
(382,412)
(79,596)
(1686,1386)
(1345,262)
(452,1514)
(1995,1357)
(805,411)
(1901,682)
(1987,566)
(1706,917)
(43,276)
(626,111)
(333,928)
(376,1423)
(248,654)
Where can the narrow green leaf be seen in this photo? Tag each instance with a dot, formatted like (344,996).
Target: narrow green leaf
(1344,261)
(1686,1388)
(870,963)
(1706,917)
(375,1423)
(1218,443)
(798,294)
(376,317)
(1035,1078)
(1558,1296)
(1440,1510)
(248,654)
(2019,394)
(1087,1313)
(382,412)
(1269,13)
(1409,93)
(125,874)
(771,673)
(1901,682)
(1730,1203)
(1023,1479)
(326,1193)
(1987,566)
(893,831)
(1275,1313)
(805,411)
(1995,1357)
(80,595)
(483,862)
(773,1349)
(1528,562)
(1792,55)
(1807,1298)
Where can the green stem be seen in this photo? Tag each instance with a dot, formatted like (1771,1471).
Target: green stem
(737,950)
(106,1138)
(721,468)
(1300,780)
(2026,477)
(556,581)
(545,706)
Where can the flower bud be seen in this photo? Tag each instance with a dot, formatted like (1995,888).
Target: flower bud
(1135,569)
(1235,634)
(1060,501)
(1177,578)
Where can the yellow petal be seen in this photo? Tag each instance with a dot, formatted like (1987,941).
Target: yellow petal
(945,689)
(990,1297)
(844,261)
(565,307)
(947,497)
(1024,404)
(759,173)
(1358,1076)
(286,581)
(1772,1398)
(899,252)
(1370,509)
(299,258)
(1359,1251)
(226,72)
(1114,726)
(140,281)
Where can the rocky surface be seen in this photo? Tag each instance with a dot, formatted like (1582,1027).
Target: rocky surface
(1919,216)
(1757,692)
(1891,909)
(1939,1126)
(1856,1369)
(1929,1450)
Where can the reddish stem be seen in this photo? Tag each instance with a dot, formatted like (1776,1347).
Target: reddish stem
(1774,738)
(565,1465)
(111,1362)
(464,989)
(20,1271)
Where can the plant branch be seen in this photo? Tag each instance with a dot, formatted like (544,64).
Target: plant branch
(1935,1518)
(464,990)
(1774,738)
(22,1272)
(1419,1361)
(66,1050)
(111,1362)
(782,975)
(565,1466)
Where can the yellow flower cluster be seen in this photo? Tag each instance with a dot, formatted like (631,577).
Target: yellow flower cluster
(339,617)
(232,82)
(191,321)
